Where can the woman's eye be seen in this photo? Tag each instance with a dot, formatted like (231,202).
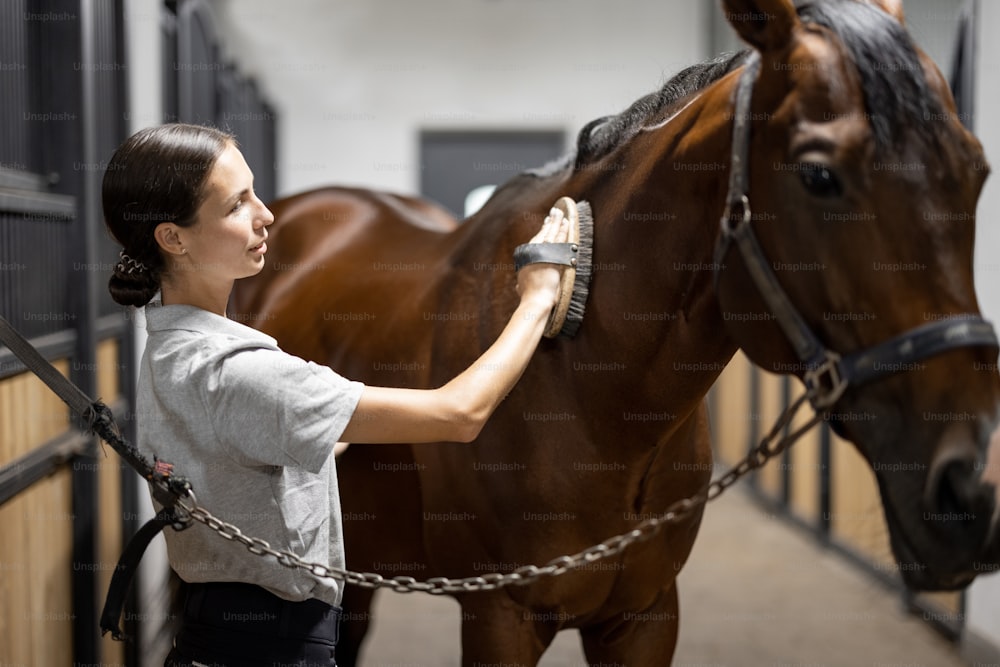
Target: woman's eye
(819,180)
(237,207)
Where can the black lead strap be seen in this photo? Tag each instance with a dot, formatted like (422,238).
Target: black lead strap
(126,569)
(166,488)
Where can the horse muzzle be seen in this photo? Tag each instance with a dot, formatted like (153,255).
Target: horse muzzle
(956,537)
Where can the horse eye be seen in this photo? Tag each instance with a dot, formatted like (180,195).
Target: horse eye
(819,181)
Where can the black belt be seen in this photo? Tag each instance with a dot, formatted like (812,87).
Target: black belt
(237,623)
(249,608)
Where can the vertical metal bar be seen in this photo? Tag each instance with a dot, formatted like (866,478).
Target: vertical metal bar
(129,481)
(85,476)
(786,456)
(963,70)
(754,417)
(182,67)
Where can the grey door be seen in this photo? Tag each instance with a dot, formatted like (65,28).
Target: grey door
(454,163)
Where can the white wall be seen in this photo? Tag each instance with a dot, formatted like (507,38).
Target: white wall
(984,595)
(355,80)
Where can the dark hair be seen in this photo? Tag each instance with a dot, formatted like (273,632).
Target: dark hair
(600,136)
(897,96)
(157,175)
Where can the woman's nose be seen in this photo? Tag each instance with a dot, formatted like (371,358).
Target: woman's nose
(265,217)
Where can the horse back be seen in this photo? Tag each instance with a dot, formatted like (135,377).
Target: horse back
(349,269)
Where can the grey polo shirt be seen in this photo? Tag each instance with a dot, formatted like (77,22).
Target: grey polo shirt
(253,429)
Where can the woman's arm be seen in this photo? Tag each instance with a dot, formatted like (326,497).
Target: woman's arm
(458,411)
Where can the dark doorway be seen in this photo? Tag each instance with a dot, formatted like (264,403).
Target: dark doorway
(454,163)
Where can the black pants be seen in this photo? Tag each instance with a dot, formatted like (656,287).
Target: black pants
(242,625)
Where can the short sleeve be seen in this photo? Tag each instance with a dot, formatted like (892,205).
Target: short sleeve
(272,408)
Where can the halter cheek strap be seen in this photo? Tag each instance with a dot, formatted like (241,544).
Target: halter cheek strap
(827,374)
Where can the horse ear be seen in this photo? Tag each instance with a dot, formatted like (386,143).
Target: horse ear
(893,8)
(766,25)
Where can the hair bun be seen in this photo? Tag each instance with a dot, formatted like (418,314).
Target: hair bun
(131,287)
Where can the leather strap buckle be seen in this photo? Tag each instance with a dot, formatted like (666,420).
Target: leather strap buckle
(826,383)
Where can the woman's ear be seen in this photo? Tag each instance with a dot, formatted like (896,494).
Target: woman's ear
(168,237)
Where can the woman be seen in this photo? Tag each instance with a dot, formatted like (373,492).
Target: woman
(251,427)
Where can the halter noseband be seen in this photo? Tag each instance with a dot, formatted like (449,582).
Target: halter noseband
(827,374)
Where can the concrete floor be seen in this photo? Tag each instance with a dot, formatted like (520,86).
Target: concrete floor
(756,593)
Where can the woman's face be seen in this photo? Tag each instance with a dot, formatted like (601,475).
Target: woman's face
(228,239)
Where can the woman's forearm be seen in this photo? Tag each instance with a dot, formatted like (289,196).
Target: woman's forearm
(458,410)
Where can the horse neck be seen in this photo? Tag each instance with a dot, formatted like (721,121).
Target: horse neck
(657,201)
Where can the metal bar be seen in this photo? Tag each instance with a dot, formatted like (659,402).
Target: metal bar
(21,473)
(888,579)
(754,421)
(86,597)
(22,180)
(59,345)
(38,205)
(132,486)
(113,326)
(786,456)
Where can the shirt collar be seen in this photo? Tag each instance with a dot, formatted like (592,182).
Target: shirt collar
(192,318)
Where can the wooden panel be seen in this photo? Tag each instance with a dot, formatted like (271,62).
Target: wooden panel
(771,387)
(731,418)
(49,411)
(7,422)
(36,613)
(108,370)
(109,514)
(805,470)
(30,414)
(804,478)
(17,406)
(856,517)
(12,565)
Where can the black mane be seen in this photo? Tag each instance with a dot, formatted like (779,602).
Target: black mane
(892,79)
(601,135)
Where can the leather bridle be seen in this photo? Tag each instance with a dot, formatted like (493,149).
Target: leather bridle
(827,374)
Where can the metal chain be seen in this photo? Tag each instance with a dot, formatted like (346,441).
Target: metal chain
(770,446)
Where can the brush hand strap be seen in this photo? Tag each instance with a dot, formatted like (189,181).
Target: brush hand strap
(564,254)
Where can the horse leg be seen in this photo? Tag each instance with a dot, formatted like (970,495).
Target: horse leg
(381,511)
(644,638)
(357,617)
(498,631)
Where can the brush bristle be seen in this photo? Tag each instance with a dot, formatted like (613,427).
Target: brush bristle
(584,270)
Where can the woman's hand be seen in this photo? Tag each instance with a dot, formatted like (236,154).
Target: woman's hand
(539,283)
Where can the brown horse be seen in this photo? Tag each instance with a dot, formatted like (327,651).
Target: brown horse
(864,187)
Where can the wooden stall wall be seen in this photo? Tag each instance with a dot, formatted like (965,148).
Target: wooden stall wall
(63,508)
(821,483)
(36,608)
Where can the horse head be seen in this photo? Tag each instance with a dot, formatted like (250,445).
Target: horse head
(861,186)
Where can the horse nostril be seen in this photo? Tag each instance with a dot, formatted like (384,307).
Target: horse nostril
(961,500)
